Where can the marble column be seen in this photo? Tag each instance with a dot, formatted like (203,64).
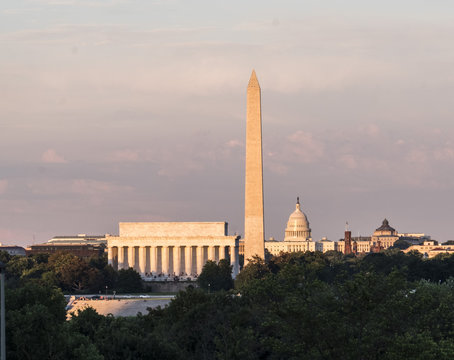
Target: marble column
(212,253)
(154,259)
(110,259)
(142,260)
(121,257)
(165,260)
(177,260)
(221,253)
(199,259)
(131,257)
(188,260)
(147,260)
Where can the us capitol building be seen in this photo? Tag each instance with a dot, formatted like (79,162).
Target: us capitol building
(298,236)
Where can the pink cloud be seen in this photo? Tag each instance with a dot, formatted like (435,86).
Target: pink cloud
(76,186)
(371,130)
(234,143)
(3,186)
(417,156)
(126,155)
(305,147)
(445,153)
(276,167)
(50,156)
(94,187)
(348,161)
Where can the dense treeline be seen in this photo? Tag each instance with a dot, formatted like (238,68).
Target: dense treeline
(296,306)
(70,273)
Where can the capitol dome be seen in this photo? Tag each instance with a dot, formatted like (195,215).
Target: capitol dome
(297,225)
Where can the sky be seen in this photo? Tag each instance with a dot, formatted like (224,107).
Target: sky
(115,110)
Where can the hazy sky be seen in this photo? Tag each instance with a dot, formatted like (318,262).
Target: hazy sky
(135,111)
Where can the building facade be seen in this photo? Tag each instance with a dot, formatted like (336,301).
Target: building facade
(81,245)
(166,249)
(81,250)
(297,235)
(79,239)
(385,236)
(429,249)
(13,250)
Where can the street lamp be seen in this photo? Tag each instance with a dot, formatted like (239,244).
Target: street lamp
(2,312)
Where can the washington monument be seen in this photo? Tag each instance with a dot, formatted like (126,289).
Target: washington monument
(254,237)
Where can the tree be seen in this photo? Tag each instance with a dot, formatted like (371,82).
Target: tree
(75,274)
(255,269)
(216,277)
(128,280)
(17,265)
(36,326)
(401,244)
(5,257)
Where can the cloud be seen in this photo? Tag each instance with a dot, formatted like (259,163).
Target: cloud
(234,143)
(444,153)
(16,11)
(371,130)
(50,156)
(303,147)
(94,187)
(126,155)
(3,186)
(49,187)
(348,161)
(276,167)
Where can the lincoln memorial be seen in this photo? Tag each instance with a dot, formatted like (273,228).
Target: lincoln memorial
(171,248)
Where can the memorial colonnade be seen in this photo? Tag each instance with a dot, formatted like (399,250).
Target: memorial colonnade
(169,259)
(173,248)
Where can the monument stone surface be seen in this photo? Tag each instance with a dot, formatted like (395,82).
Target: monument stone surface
(254,236)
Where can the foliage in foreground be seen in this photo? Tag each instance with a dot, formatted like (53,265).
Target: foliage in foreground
(296,306)
(70,273)
(215,277)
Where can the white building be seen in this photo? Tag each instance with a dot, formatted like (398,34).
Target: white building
(298,236)
(325,245)
(79,239)
(429,249)
(385,236)
(163,249)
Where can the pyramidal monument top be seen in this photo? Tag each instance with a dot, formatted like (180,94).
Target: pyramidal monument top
(253,82)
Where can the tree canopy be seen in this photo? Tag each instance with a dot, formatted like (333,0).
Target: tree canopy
(215,277)
(309,305)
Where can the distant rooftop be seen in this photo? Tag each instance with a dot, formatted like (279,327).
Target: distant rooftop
(79,236)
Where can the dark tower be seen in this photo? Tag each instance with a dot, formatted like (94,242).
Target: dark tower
(348,241)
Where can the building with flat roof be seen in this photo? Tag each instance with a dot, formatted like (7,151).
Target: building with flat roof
(81,250)
(13,249)
(429,249)
(167,249)
(79,239)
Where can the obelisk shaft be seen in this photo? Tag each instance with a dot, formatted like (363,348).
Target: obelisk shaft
(254,238)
